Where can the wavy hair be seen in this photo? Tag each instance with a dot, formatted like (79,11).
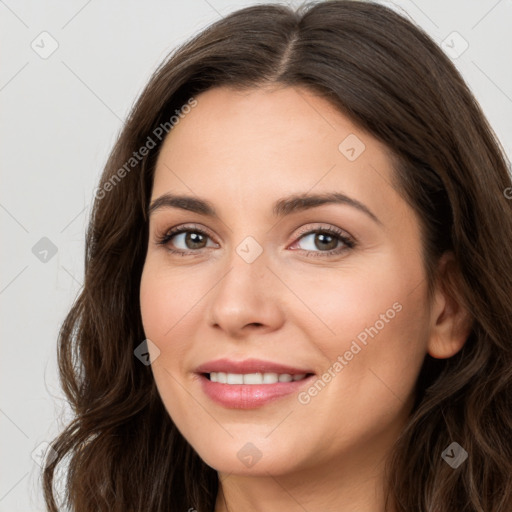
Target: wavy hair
(122,450)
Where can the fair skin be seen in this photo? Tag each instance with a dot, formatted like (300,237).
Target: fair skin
(242,152)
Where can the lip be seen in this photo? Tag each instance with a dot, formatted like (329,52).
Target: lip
(249,396)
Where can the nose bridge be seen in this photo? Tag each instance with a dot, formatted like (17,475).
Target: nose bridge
(244,295)
(247,262)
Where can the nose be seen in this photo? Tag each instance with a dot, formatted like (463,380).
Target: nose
(246,298)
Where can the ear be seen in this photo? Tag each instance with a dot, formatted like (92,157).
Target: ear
(451,322)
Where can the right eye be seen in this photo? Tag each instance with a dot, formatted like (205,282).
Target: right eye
(191,238)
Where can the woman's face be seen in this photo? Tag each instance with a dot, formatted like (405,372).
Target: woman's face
(255,297)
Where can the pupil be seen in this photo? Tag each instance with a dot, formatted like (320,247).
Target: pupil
(323,237)
(194,238)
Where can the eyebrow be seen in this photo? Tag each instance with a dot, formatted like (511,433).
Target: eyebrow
(285,206)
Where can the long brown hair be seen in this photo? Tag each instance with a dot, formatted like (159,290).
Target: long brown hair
(122,450)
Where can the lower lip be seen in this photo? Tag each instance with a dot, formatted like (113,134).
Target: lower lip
(249,396)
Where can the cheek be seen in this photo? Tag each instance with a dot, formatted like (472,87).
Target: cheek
(167,310)
(166,300)
(378,324)
(161,309)
(172,309)
(361,303)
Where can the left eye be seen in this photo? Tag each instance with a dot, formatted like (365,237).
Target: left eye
(323,241)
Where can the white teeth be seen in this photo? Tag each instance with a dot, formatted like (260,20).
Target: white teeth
(270,378)
(254,378)
(235,378)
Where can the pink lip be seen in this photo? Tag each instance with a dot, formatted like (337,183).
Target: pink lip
(248,396)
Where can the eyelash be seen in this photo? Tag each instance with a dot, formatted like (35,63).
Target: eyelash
(347,241)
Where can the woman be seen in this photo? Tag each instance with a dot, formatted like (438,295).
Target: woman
(297,286)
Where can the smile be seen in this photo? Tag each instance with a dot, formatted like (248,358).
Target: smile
(250,383)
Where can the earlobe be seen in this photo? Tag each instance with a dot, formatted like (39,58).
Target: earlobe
(451,322)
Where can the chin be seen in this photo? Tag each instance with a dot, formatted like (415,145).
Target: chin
(248,458)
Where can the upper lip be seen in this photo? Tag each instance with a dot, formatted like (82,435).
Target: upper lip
(248,366)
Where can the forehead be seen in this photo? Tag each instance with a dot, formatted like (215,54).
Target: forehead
(248,148)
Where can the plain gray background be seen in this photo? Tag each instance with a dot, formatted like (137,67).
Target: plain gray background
(61,114)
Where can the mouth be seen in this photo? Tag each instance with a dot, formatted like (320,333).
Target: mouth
(250,383)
